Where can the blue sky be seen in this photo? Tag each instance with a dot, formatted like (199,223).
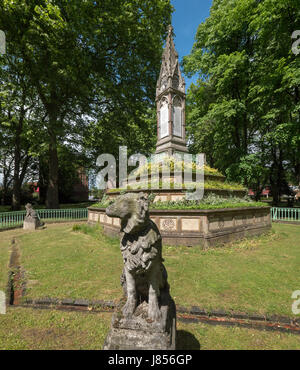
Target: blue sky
(186,18)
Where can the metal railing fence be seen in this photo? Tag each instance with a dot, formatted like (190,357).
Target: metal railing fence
(285,214)
(14,219)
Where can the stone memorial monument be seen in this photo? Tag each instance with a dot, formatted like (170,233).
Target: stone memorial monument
(170,103)
(147,318)
(183,225)
(32,220)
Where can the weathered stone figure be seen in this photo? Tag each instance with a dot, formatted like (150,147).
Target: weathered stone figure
(32,219)
(144,274)
(148,303)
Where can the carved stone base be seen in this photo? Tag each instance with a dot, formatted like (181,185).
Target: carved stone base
(140,333)
(199,227)
(30,225)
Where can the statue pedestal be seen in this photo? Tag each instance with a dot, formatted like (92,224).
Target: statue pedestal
(140,333)
(30,224)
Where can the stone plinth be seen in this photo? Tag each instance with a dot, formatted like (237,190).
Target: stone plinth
(204,228)
(32,220)
(140,333)
(30,224)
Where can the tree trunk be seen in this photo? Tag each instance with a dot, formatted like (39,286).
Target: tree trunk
(275,193)
(43,171)
(52,200)
(258,193)
(16,196)
(5,180)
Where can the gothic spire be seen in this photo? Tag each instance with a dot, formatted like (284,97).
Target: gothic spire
(170,70)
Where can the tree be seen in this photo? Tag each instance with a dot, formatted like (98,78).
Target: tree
(84,59)
(18,111)
(253,173)
(246,102)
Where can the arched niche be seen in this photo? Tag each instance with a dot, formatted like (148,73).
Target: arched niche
(163,118)
(175,82)
(177,116)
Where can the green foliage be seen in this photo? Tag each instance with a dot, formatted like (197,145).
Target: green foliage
(208,184)
(173,164)
(244,111)
(210,201)
(70,164)
(92,69)
(252,172)
(97,193)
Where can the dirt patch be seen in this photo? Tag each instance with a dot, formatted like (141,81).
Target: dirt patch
(16,276)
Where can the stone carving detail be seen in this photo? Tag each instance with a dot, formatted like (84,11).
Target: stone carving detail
(144,280)
(221,223)
(164,83)
(168,225)
(175,82)
(170,67)
(32,219)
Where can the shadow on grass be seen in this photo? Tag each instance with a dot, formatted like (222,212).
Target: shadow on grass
(186,341)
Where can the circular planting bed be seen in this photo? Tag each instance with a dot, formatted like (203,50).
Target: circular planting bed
(224,213)
(201,227)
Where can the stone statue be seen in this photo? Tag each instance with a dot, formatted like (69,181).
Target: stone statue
(144,274)
(148,303)
(32,219)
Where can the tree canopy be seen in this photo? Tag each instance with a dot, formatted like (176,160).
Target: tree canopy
(90,67)
(244,112)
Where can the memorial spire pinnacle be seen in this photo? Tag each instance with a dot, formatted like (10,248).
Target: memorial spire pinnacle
(170,74)
(170,101)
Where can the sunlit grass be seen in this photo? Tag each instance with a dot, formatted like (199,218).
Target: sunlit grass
(256,275)
(25,328)
(36,329)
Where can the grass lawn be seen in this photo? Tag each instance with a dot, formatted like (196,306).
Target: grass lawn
(210,337)
(255,275)
(5,244)
(62,263)
(24,328)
